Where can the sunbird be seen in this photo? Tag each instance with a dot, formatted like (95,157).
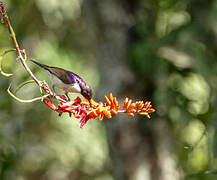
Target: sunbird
(68,81)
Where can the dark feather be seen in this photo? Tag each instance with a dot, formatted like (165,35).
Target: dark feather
(39,64)
(62,74)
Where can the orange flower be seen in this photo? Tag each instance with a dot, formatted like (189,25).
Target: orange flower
(138,107)
(101,110)
(85,110)
(111,107)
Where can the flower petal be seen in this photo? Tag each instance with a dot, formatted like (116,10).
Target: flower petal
(50,104)
(107,113)
(107,100)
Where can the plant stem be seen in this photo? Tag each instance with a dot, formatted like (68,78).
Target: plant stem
(21,53)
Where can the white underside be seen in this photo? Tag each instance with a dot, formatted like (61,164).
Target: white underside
(73,88)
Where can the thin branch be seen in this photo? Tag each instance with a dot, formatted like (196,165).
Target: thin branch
(21,53)
(23,84)
(25,101)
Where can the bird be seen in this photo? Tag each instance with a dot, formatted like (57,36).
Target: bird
(68,81)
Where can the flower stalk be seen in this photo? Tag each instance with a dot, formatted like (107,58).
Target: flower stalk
(85,110)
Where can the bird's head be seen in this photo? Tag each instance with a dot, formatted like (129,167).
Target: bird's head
(86,91)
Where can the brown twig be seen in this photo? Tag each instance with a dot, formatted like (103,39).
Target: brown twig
(21,53)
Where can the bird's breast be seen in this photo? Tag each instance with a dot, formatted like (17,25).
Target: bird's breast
(73,88)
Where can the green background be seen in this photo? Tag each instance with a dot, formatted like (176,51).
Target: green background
(159,50)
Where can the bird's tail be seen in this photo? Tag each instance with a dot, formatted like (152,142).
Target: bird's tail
(41,65)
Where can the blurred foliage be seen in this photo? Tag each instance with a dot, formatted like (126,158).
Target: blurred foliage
(172,53)
(180,60)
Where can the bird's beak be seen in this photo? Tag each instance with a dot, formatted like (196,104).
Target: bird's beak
(89,100)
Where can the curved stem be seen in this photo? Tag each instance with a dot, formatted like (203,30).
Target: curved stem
(26,101)
(21,53)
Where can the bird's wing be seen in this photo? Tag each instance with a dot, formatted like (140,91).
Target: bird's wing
(62,75)
(65,76)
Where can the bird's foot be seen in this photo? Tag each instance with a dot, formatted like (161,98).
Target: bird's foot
(68,98)
(54,94)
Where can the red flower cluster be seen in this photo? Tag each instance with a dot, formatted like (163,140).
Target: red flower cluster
(85,110)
